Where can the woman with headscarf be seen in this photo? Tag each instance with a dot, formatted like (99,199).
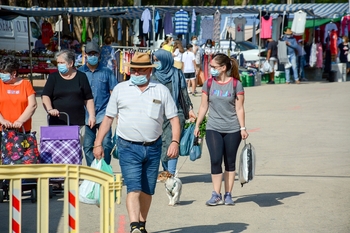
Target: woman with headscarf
(174,80)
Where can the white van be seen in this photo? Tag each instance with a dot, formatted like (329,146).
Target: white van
(14,33)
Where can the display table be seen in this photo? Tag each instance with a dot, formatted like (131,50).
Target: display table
(44,71)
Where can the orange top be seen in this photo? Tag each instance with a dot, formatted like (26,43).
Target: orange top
(14,100)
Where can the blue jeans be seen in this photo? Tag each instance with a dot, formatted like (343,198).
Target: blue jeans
(301,65)
(89,139)
(293,61)
(170,165)
(139,165)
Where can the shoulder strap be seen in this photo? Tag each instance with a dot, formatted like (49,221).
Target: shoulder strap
(209,85)
(234,86)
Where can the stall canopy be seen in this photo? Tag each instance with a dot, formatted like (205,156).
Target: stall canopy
(326,10)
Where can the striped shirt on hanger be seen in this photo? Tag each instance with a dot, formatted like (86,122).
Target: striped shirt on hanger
(181,22)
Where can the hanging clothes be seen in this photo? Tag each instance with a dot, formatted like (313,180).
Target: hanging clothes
(207,28)
(282,52)
(240,23)
(345,25)
(299,21)
(276,27)
(333,42)
(319,55)
(46,32)
(193,21)
(119,30)
(181,22)
(83,32)
(216,30)
(145,18)
(266,27)
(313,55)
(168,24)
(328,28)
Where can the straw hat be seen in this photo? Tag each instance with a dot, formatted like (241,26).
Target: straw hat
(288,31)
(140,60)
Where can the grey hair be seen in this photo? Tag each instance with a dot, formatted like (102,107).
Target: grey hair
(9,64)
(67,55)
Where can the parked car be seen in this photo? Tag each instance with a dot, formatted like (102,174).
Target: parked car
(249,50)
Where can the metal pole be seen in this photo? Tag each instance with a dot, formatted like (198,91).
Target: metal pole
(154,29)
(260,39)
(30,52)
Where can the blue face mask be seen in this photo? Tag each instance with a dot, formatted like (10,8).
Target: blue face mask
(138,80)
(214,72)
(159,65)
(62,68)
(5,77)
(92,60)
(194,42)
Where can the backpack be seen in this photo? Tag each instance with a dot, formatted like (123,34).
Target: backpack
(210,81)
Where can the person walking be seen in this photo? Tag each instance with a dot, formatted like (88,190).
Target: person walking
(141,106)
(174,80)
(102,82)
(108,58)
(225,128)
(292,46)
(344,50)
(178,50)
(17,102)
(68,90)
(301,60)
(272,58)
(189,64)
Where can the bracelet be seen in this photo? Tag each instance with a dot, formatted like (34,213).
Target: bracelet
(176,142)
(96,146)
(243,128)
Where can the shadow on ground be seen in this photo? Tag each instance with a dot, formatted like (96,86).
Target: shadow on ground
(267,199)
(222,227)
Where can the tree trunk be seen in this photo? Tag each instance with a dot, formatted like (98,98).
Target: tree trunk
(231,2)
(12,2)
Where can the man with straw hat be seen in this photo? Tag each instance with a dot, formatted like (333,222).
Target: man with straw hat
(292,47)
(140,105)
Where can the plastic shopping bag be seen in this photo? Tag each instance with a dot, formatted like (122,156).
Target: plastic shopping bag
(186,140)
(267,67)
(106,168)
(247,164)
(196,150)
(89,192)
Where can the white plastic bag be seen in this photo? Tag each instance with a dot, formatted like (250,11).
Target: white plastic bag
(267,67)
(89,192)
(247,164)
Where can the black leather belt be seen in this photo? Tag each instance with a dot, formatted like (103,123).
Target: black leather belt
(144,143)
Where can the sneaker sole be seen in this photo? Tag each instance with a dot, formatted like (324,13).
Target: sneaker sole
(214,204)
(229,203)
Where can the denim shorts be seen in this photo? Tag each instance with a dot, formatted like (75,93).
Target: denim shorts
(139,165)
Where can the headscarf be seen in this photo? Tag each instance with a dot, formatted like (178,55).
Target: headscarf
(168,73)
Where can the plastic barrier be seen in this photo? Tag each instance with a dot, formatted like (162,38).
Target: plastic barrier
(110,189)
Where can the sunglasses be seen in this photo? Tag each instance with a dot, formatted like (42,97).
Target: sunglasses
(138,70)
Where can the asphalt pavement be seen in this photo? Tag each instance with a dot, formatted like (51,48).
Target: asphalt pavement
(301,134)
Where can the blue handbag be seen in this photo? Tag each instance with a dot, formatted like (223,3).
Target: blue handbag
(196,150)
(186,140)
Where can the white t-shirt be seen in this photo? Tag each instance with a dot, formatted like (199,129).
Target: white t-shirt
(178,55)
(188,58)
(145,17)
(299,21)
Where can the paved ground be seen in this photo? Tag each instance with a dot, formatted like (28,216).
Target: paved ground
(302,183)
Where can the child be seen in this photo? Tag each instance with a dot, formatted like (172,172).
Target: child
(189,64)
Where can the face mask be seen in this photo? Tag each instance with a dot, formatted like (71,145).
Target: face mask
(138,80)
(62,68)
(194,42)
(92,60)
(214,72)
(159,65)
(5,77)
(288,36)
(172,43)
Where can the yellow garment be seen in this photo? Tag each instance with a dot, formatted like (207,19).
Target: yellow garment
(168,48)
(121,62)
